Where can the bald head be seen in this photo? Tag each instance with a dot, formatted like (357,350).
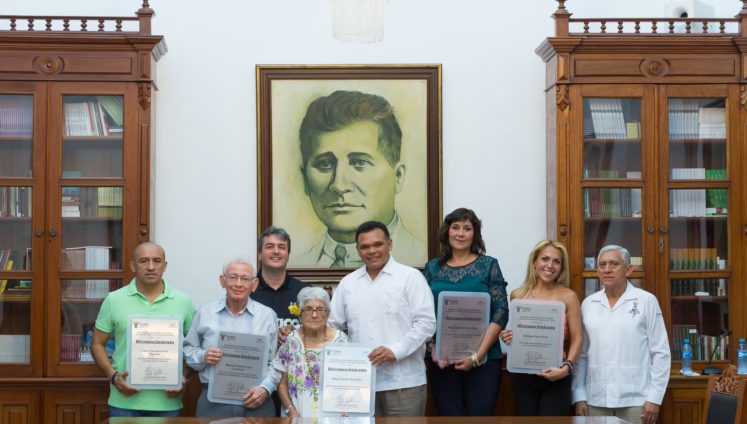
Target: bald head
(148,263)
(148,245)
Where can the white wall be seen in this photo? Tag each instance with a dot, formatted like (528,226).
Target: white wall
(205,147)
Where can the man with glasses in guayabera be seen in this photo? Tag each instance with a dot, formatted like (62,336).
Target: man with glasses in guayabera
(236,312)
(390,307)
(623,369)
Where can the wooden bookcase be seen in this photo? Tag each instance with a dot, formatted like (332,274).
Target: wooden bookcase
(646,149)
(75,130)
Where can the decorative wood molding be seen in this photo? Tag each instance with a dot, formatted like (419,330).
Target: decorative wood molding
(655,67)
(143,95)
(562,97)
(728,382)
(48,65)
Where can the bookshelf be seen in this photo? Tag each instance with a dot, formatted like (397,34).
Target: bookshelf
(646,150)
(75,129)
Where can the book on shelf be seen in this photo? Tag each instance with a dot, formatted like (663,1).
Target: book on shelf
(27,260)
(698,287)
(69,347)
(688,202)
(683,118)
(712,122)
(612,202)
(633,129)
(7,261)
(15,202)
(16,115)
(114,107)
(92,202)
(15,348)
(702,344)
(84,289)
(98,116)
(607,118)
(687,258)
(86,257)
(110,196)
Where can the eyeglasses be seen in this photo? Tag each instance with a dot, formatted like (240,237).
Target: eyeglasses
(613,265)
(246,279)
(310,311)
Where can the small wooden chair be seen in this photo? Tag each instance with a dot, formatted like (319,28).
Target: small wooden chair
(724,398)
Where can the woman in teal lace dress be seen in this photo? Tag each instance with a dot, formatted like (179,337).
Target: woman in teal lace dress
(469,385)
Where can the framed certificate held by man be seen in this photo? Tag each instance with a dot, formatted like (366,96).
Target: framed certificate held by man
(461,323)
(154,352)
(537,343)
(347,380)
(240,368)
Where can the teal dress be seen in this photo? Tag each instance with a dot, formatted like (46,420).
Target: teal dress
(483,275)
(459,393)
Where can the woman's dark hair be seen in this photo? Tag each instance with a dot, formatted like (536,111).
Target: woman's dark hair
(461,214)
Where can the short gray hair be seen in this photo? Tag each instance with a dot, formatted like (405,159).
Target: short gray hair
(243,260)
(313,293)
(624,254)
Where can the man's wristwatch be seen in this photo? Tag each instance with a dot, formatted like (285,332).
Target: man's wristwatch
(288,410)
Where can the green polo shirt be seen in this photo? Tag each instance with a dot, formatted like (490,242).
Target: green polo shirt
(113,317)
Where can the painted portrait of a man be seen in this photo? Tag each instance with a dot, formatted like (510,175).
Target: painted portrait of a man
(346,152)
(352,171)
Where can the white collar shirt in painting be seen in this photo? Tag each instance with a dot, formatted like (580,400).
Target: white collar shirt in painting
(215,317)
(394,310)
(625,359)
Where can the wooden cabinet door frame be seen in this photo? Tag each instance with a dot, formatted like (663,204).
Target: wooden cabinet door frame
(130,180)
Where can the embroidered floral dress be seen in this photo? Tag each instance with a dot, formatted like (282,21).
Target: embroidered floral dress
(303,366)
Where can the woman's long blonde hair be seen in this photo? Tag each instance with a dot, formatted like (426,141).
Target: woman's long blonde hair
(531,279)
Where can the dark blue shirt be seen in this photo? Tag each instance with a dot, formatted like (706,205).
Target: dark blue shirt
(279,300)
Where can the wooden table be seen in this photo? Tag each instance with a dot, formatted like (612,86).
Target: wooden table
(382,420)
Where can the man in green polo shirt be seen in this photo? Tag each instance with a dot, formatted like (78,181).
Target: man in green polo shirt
(147,294)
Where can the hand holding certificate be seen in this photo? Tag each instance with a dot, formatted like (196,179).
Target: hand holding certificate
(537,342)
(154,352)
(240,369)
(463,319)
(347,380)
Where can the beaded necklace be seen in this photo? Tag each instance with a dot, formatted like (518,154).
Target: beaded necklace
(310,369)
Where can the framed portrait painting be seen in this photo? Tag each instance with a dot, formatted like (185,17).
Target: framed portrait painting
(340,145)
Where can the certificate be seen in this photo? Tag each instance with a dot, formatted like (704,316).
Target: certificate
(154,352)
(241,368)
(537,342)
(463,319)
(347,380)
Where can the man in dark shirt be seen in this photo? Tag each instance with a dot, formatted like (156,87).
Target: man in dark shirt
(276,289)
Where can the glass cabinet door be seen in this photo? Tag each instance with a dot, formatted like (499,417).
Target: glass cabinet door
(15,255)
(698,229)
(611,181)
(90,214)
(20,226)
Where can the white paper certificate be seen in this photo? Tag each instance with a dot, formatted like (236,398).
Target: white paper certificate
(347,380)
(241,368)
(463,319)
(154,352)
(537,342)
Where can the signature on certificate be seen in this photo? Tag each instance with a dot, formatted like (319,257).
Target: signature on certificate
(235,387)
(533,356)
(346,398)
(152,371)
